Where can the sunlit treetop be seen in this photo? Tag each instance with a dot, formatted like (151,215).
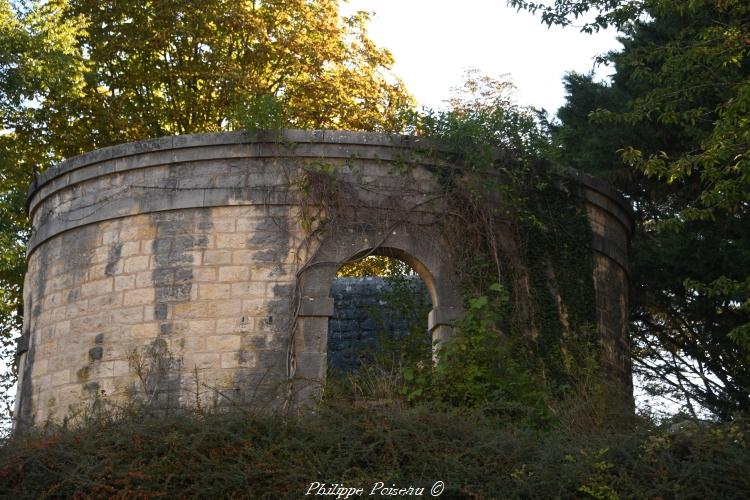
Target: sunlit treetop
(101,73)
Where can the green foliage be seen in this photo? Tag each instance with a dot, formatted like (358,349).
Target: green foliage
(671,132)
(689,63)
(526,344)
(488,369)
(177,67)
(520,243)
(375,265)
(217,454)
(617,13)
(261,112)
(13,232)
(559,260)
(482,119)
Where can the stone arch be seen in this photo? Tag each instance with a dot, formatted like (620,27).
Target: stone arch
(420,250)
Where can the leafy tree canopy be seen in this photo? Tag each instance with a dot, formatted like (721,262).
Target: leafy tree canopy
(131,70)
(693,74)
(671,130)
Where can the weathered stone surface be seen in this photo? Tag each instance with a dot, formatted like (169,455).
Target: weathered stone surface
(95,353)
(181,262)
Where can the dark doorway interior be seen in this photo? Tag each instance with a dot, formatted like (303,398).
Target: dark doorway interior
(380,315)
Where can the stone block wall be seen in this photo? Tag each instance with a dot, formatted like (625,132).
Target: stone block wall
(213,284)
(364,312)
(197,267)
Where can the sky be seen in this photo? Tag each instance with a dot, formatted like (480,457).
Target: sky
(435,41)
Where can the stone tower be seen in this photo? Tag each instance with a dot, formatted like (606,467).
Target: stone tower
(197,267)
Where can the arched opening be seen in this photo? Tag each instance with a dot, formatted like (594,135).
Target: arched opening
(309,350)
(380,316)
(379,328)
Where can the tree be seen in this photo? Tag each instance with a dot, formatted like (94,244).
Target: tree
(149,69)
(671,131)
(76,75)
(36,59)
(694,77)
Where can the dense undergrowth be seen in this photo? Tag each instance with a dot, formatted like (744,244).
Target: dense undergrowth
(234,453)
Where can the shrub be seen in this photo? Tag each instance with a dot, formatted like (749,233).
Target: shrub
(237,454)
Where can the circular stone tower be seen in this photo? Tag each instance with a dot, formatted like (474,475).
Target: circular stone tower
(199,267)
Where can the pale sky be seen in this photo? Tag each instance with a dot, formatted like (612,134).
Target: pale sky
(434,41)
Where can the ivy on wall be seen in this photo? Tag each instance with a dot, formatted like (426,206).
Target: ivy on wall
(519,242)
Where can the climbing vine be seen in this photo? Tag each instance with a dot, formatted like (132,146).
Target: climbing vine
(519,241)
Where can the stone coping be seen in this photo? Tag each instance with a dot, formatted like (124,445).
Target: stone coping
(100,161)
(625,214)
(220,139)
